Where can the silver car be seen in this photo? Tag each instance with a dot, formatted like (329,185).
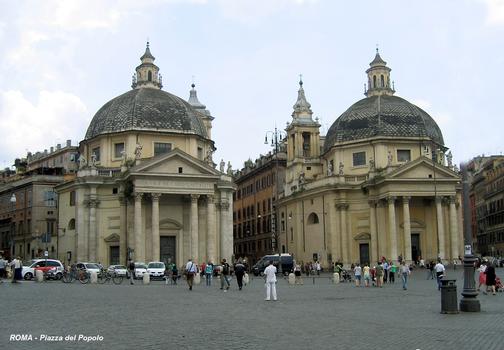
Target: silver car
(119,270)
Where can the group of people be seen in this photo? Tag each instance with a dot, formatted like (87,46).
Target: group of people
(14,267)
(379,274)
(487,277)
(208,269)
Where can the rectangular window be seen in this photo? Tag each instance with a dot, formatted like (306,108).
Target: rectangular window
(50,198)
(118,150)
(96,152)
(403,155)
(359,158)
(161,147)
(72,198)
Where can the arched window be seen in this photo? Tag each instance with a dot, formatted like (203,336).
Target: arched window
(149,76)
(71,224)
(382,81)
(313,219)
(374,81)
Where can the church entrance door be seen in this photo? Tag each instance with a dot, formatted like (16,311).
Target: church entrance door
(167,249)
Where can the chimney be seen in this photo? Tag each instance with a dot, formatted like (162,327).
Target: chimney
(58,146)
(52,149)
(69,143)
(45,152)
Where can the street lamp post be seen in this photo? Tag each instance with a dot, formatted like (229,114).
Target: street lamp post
(13,201)
(274,137)
(469,301)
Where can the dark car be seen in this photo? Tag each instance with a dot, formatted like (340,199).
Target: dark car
(287,264)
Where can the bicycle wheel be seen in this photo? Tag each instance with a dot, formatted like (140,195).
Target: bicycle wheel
(117,279)
(102,278)
(67,278)
(84,278)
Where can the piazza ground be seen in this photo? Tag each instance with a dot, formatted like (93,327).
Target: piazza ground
(311,316)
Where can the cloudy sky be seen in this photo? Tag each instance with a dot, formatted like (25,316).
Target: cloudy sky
(60,61)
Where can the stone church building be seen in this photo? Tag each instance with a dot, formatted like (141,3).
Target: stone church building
(147,187)
(381,183)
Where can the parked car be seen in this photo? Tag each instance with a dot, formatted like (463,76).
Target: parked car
(156,269)
(88,267)
(119,270)
(44,265)
(140,269)
(287,263)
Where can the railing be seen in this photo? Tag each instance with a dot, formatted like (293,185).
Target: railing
(109,172)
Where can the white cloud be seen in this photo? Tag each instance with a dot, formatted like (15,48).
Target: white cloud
(495,12)
(55,117)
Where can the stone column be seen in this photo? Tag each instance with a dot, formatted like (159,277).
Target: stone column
(93,231)
(381,228)
(81,253)
(123,229)
(392,228)
(407,230)
(226,232)
(440,228)
(155,226)
(372,231)
(211,231)
(342,207)
(194,228)
(139,254)
(454,233)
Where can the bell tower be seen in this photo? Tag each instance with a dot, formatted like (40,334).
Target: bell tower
(303,142)
(147,73)
(378,78)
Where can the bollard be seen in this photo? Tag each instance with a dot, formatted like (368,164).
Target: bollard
(39,275)
(146,278)
(94,277)
(449,303)
(292,278)
(197,279)
(336,279)
(246,279)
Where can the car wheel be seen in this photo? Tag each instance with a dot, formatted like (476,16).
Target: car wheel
(59,275)
(28,276)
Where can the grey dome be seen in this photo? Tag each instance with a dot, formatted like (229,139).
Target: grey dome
(146,109)
(384,115)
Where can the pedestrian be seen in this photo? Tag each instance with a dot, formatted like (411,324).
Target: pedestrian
(392,272)
(190,271)
(3,264)
(379,275)
(482,275)
(174,273)
(358,274)
(385,271)
(131,269)
(297,274)
(366,274)
(209,273)
(16,267)
(440,270)
(318,268)
(239,271)
(405,272)
(225,270)
(490,278)
(270,276)
(307,269)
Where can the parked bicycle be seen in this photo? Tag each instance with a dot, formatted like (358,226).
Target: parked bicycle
(75,274)
(108,276)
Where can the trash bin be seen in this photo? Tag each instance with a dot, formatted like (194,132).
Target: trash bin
(449,303)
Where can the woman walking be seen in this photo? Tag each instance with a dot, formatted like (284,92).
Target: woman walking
(405,272)
(490,278)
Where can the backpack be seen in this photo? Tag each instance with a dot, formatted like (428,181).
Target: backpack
(225,269)
(208,269)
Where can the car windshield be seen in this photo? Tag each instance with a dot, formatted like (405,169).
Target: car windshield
(92,266)
(156,266)
(139,266)
(31,263)
(120,267)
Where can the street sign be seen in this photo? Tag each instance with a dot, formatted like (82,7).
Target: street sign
(46,253)
(467,249)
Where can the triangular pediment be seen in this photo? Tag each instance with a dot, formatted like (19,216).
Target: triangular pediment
(174,162)
(421,169)
(114,237)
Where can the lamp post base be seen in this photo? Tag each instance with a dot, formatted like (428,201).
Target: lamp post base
(470,305)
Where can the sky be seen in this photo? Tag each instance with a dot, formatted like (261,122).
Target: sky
(60,61)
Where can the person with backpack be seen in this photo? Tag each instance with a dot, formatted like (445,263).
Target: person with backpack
(174,274)
(225,270)
(131,269)
(239,271)
(190,271)
(209,273)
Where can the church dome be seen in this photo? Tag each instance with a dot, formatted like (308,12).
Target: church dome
(381,114)
(147,108)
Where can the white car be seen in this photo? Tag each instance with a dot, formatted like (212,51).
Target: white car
(140,269)
(156,269)
(44,265)
(88,267)
(120,270)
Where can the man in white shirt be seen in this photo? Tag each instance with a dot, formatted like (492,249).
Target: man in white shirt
(270,275)
(16,269)
(440,270)
(190,272)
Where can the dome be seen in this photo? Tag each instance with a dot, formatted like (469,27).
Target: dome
(148,109)
(382,115)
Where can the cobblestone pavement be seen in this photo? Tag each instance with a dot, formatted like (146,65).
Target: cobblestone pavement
(311,316)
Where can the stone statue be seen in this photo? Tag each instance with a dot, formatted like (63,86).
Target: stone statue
(330,169)
(123,157)
(371,164)
(301,179)
(82,161)
(341,166)
(389,158)
(449,158)
(455,168)
(138,151)
(222,164)
(229,169)
(93,160)
(208,158)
